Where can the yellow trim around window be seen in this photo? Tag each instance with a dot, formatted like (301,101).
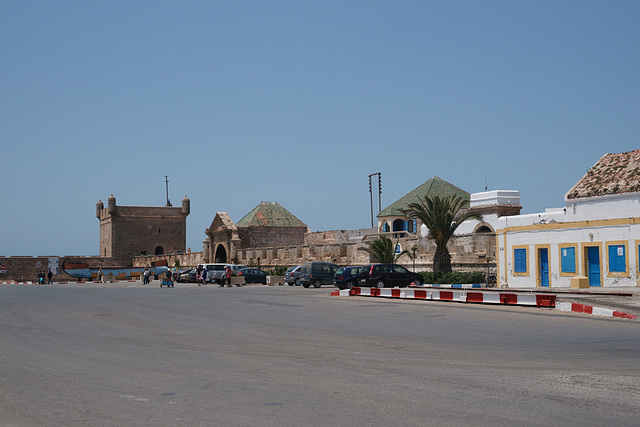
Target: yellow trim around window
(513,260)
(624,243)
(562,246)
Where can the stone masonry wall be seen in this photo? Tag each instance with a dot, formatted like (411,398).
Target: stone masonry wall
(256,237)
(24,268)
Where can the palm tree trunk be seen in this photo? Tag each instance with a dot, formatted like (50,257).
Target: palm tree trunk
(441,260)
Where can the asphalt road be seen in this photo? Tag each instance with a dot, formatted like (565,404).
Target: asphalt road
(121,354)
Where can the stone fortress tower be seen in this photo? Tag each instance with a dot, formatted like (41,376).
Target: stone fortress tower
(128,231)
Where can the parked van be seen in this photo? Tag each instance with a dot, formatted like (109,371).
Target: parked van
(317,273)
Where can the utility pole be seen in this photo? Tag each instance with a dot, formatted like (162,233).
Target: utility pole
(166,180)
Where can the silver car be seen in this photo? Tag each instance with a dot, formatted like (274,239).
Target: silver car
(292,276)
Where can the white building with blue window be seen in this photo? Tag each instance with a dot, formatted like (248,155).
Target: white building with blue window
(595,238)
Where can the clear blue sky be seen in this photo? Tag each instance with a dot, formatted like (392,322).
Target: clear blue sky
(297,102)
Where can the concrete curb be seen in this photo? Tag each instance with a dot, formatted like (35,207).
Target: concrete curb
(595,311)
(481,297)
(458,286)
(485,297)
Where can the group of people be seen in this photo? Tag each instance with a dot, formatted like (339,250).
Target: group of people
(202,273)
(146,276)
(201,276)
(42,277)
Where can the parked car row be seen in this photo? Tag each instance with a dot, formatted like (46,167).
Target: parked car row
(316,274)
(371,275)
(187,275)
(215,272)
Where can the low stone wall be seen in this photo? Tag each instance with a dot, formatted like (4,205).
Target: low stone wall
(188,260)
(25,268)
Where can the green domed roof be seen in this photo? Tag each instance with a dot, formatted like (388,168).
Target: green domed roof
(270,214)
(434,187)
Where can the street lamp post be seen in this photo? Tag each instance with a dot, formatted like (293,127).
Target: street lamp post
(379,194)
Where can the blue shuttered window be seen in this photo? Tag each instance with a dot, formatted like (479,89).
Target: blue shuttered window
(617,261)
(520,260)
(568,260)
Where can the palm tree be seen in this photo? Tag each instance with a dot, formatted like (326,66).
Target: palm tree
(383,250)
(442,216)
(413,255)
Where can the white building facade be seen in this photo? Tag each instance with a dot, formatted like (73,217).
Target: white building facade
(595,239)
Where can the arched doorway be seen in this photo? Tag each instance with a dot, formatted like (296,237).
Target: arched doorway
(221,254)
(399,225)
(159,250)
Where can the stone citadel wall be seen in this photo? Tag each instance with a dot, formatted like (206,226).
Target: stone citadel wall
(26,268)
(469,252)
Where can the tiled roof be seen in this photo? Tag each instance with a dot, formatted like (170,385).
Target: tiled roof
(612,174)
(434,187)
(270,214)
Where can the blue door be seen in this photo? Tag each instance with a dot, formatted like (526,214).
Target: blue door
(543,253)
(593,264)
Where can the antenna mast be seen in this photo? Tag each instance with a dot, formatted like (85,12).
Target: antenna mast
(166,180)
(379,175)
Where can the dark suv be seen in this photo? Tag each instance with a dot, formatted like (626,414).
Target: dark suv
(317,273)
(346,277)
(387,276)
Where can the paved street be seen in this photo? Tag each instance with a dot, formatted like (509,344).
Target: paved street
(126,354)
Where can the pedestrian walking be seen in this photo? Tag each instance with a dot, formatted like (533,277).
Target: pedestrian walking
(50,277)
(145,276)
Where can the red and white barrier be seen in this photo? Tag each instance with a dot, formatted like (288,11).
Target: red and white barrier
(489,297)
(484,297)
(596,311)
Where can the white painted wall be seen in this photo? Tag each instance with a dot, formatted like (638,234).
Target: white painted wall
(598,235)
(495,197)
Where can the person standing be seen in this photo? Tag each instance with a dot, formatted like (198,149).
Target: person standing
(227,275)
(50,277)
(145,276)
(199,275)
(204,277)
